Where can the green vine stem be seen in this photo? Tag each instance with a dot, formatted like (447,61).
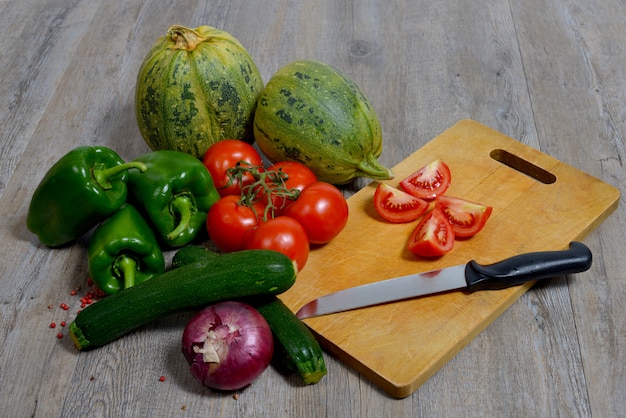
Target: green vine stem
(266,184)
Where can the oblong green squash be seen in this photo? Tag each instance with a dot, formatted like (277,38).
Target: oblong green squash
(194,88)
(311,113)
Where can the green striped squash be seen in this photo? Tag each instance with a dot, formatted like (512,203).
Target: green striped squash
(196,87)
(311,113)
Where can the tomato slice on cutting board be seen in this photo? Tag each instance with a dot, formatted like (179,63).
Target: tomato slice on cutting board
(397,206)
(433,236)
(467,218)
(428,182)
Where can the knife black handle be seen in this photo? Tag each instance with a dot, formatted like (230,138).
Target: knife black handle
(526,267)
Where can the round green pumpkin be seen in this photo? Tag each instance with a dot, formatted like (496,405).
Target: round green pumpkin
(311,113)
(196,87)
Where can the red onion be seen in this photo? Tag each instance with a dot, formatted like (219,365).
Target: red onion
(228,345)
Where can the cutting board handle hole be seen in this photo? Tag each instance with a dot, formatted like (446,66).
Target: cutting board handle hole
(522,166)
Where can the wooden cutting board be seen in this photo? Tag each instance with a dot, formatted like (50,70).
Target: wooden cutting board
(400,345)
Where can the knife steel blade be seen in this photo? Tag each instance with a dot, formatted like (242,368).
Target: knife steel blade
(469,277)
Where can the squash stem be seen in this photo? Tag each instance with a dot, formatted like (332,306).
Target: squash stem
(184,38)
(373,169)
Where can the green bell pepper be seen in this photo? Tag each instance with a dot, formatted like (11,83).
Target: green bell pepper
(79,191)
(176,193)
(124,251)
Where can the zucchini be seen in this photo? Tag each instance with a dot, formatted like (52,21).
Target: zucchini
(191,253)
(295,346)
(227,276)
(294,343)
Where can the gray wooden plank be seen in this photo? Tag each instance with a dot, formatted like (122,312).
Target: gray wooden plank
(548,73)
(574,59)
(42,39)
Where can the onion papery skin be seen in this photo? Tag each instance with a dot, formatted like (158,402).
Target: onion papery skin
(227,345)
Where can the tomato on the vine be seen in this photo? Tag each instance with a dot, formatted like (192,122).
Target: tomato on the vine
(228,222)
(322,210)
(397,206)
(226,154)
(433,236)
(428,182)
(467,218)
(296,177)
(282,234)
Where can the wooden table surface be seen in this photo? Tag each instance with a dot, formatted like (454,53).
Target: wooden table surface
(551,74)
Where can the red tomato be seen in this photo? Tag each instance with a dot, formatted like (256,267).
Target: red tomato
(282,234)
(322,210)
(433,236)
(397,206)
(298,177)
(467,218)
(428,182)
(228,221)
(226,154)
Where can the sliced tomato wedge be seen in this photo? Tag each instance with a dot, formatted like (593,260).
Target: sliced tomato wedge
(433,236)
(428,182)
(397,206)
(467,218)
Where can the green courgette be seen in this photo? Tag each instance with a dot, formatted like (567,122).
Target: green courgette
(295,346)
(191,253)
(227,276)
(294,343)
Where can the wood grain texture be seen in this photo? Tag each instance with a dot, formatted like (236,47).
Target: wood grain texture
(548,73)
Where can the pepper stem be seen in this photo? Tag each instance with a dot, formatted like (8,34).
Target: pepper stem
(127,267)
(184,206)
(103,175)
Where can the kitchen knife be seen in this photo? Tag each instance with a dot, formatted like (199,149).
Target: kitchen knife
(469,277)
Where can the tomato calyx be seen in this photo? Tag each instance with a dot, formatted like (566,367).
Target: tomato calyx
(227,153)
(242,171)
(228,222)
(266,187)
